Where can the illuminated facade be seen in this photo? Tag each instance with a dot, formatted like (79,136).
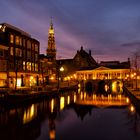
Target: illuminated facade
(102,73)
(19,56)
(47,70)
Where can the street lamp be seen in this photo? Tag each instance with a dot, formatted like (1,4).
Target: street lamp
(61,69)
(135,74)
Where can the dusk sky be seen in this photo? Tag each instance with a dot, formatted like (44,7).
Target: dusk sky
(110,28)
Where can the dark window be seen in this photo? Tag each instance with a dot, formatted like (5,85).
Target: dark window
(1,53)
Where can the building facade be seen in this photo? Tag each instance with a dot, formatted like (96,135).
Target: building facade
(106,70)
(81,60)
(19,56)
(102,73)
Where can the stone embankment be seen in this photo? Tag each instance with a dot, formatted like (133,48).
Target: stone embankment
(24,96)
(134,97)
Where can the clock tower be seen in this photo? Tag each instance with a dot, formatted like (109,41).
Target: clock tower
(51,50)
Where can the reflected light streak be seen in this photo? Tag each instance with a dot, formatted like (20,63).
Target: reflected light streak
(114,87)
(68,99)
(52,105)
(52,135)
(79,85)
(74,98)
(132,108)
(120,96)
(117,100)
(62,102)
(29,114)
(85,95)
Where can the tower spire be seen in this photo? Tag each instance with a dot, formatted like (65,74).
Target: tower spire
(51,50)
(51,30)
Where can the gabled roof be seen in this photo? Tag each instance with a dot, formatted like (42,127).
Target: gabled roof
(102,68)
(85,55)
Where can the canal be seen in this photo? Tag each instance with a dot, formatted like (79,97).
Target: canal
(74,115)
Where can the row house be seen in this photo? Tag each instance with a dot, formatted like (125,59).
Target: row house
(19,57)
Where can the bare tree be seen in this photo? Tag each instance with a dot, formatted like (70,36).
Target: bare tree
(135,65)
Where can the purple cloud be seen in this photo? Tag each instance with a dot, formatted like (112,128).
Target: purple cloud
(97,25)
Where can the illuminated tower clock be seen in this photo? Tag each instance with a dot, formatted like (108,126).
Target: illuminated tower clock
(51,50)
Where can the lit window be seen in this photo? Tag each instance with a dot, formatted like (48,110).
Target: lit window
(18,82)
(11,51)
(24,65)
(17,40)
(36,67)
(18,52)
(11,38)
(29,66)
(33,65)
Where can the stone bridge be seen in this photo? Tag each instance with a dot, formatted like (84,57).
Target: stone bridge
(106,85)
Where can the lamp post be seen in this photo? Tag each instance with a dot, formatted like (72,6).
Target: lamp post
(132,77)
(61,69)
(135,74)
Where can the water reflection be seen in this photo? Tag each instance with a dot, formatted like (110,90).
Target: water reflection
(117,87)
(132,109)
(30,122)
(109,87)
(30,113)
(102,100)
(62,102)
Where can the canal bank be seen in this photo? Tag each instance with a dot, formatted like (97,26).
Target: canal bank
(15,98)
(132,94)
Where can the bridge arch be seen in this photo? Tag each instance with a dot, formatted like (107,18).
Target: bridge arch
(103,86)
(89,85)
(117,86)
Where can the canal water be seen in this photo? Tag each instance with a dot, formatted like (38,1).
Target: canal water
(74,115)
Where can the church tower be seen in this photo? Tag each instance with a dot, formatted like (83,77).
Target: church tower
(51,50)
